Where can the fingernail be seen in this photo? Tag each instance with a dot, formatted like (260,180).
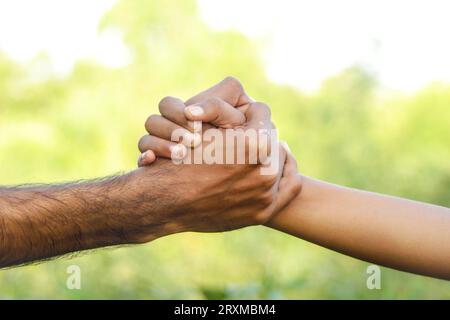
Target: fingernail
(194,111)
(147,157)
(178,152)
(142,156)
(142,159)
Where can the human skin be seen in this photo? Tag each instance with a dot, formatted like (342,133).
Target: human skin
(225,105)
(398,233)
(42,221)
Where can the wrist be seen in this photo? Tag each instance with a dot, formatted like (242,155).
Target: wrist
(140,205)
(296,207)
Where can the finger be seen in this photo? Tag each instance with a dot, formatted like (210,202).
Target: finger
(289,188)
(290,183)
(290,166)
(229,90)
(277,169)
(215,111)
(258,116)
(258,119)
(172,109)
(162,148)
(282,157)
(146,158)
(160,127)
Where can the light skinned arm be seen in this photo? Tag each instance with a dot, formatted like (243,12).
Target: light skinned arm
(397,233)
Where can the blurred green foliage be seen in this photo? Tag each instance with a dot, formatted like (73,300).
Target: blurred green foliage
(88,124)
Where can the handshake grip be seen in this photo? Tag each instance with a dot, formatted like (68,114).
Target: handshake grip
(226,142)
(220,125)
(242,145)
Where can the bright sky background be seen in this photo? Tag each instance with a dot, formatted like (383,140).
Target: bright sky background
(406,43)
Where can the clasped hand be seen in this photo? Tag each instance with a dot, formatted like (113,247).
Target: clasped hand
(219,196)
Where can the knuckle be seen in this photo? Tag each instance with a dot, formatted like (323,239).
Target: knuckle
(233,82)
(263,106)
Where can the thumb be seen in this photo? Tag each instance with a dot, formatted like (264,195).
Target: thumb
(291,182)
(215,111)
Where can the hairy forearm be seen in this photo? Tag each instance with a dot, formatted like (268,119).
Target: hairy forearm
(42,221)
(398,233)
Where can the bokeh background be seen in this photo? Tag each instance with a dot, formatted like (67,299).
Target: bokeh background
(359,89)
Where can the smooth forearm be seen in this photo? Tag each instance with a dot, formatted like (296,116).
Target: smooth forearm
(39,222)
(390,231)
